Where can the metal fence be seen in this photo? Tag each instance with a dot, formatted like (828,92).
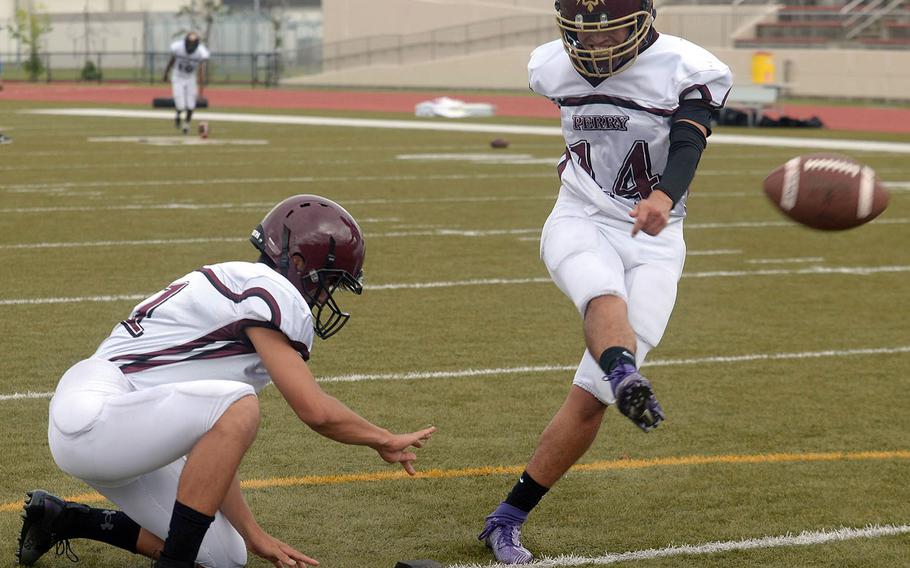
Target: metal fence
(223,68)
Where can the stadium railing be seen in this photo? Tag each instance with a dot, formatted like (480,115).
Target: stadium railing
(257,69)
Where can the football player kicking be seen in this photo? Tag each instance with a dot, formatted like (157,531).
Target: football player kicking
(188,59)
(636,110)
(159,418)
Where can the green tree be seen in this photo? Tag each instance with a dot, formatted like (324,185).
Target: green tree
(205,11)
(28,28)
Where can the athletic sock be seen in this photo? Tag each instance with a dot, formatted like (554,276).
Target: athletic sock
(111,527)
(103,525)
(613,356)
(526,494)
(188,528)
(189,117)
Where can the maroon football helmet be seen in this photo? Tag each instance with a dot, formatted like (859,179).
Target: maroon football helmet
(632,19)
(191,42)
(330,243)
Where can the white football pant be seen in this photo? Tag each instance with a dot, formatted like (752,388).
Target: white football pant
(130,444)
(185,93)
(591,253)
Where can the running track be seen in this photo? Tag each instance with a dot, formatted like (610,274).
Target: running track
(834,117)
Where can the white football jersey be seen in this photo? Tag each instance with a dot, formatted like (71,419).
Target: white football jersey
(186,64)
(194,329)
(617,133)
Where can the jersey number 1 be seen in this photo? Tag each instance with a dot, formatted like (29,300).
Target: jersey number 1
(133,325)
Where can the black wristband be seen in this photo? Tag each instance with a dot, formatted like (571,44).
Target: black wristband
(686,146)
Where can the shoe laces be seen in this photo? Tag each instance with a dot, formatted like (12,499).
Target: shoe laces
(509,535)
(618,373)
(63,548)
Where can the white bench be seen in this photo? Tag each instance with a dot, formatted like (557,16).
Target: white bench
(753,99)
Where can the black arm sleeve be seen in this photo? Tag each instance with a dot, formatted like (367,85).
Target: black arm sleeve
(699,111)
(686,145)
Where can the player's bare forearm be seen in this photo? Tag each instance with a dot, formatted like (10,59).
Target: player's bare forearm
(237,512)
(342,424)
(318,410)
(167,70)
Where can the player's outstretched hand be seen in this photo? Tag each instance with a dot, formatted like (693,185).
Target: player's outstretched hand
(395,450)
(278,553)
(652,214)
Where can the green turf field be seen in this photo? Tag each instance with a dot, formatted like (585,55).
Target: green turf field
(125,219)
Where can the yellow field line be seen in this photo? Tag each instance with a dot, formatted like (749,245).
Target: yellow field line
(517,469)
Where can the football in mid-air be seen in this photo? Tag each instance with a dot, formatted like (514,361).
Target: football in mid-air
(826,191)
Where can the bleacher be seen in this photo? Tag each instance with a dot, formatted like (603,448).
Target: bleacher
(819,23)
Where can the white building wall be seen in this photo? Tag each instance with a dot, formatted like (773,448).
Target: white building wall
(812,72)
(8,7)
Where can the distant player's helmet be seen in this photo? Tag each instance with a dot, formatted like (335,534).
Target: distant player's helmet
(330,243)
(632,17)
(191,42)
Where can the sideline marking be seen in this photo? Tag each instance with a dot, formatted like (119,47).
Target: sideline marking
(739,140)
(462,373)
(809,271)
(483,471)
(804,538)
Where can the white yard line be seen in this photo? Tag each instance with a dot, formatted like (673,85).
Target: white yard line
(782,223)
(25,395)
(796,260)
(73,299)
(436,232)
(810,271)
(264,205)
(260,180)
(499,371)
(485,128)
(716,252)
(464,373)
(805,538)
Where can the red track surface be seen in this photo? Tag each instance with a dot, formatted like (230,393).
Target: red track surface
(834,117)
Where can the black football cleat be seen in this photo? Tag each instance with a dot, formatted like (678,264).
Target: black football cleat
(165,562)
(41,520)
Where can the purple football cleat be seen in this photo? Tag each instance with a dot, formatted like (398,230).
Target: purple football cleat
(502,534)
(634,397)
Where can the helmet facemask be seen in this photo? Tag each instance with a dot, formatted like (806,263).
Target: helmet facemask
(191,43)
(318,288)
(601,63)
